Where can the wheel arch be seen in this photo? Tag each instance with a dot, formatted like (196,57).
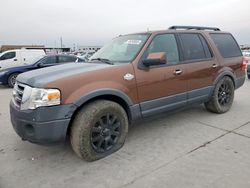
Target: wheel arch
(111,95)
(10,74)
(223,74)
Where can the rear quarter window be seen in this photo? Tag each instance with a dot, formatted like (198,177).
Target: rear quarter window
(226,45)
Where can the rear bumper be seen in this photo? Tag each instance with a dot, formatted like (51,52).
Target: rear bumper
(43,125)
(240,81)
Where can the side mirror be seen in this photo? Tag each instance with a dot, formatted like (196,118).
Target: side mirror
(158,58)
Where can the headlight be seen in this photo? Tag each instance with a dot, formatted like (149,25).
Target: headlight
(36,97)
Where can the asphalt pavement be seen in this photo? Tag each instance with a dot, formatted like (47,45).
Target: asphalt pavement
(191,148)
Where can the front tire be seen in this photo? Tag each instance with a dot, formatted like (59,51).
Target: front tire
(12,79)
(222,97)
(99,129)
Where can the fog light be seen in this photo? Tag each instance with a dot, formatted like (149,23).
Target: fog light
(29,129)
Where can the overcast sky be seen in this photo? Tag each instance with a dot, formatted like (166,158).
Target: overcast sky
(95,22)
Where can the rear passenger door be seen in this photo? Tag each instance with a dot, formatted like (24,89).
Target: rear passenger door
(201,66)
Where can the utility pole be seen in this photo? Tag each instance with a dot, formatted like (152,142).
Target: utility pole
(61,42)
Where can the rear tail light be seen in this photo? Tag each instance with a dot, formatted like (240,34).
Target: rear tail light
(244,64)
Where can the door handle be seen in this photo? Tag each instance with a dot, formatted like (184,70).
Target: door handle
(177,72)
(214,66)
(14,59)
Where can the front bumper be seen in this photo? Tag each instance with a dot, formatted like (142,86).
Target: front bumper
(43,125)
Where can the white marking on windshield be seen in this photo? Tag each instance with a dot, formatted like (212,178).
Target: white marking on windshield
(134,42)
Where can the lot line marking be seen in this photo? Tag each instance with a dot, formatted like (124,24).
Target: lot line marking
(213,126)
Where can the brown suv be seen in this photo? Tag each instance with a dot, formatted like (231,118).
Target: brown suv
(132,77)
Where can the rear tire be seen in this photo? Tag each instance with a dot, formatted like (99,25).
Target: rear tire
(222,97)
(99,129)
(12,79)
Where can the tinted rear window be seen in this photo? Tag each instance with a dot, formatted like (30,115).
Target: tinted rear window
(193,47)
(226,44)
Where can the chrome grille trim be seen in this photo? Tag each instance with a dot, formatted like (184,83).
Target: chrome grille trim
(18,91)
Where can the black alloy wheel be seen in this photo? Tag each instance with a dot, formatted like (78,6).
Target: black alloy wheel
(224,94)
(105,133)
(98,129)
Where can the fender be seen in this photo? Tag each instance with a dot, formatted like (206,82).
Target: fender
(219,77)
(133,109)
(225,73)
(104,91)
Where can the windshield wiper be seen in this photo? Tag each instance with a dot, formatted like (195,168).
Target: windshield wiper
(104,60)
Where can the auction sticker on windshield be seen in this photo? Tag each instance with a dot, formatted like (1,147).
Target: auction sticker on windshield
(135,42)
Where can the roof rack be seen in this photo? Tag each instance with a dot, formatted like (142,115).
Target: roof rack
(195,27)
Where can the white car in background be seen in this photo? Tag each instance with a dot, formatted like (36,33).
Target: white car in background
(20,57)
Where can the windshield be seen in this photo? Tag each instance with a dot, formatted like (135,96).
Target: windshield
(122,49)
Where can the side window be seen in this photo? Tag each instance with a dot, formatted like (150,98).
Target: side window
(9,55)
(206,48)
(49,60)
(165,43)
(192,47)
(65,59)
(226,44)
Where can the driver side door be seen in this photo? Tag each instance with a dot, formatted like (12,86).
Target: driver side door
(162,87)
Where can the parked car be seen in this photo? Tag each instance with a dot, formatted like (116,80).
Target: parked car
(86,56)
(8,76)
(133,77)
(248,70)
(22,57)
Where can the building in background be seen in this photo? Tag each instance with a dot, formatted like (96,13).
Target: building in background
(56,50)
(13,47)
(48,50)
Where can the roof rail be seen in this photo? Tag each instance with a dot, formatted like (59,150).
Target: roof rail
(194,27)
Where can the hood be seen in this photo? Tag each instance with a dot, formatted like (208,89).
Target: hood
(41,77)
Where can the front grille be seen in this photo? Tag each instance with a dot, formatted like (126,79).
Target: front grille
(18,94)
